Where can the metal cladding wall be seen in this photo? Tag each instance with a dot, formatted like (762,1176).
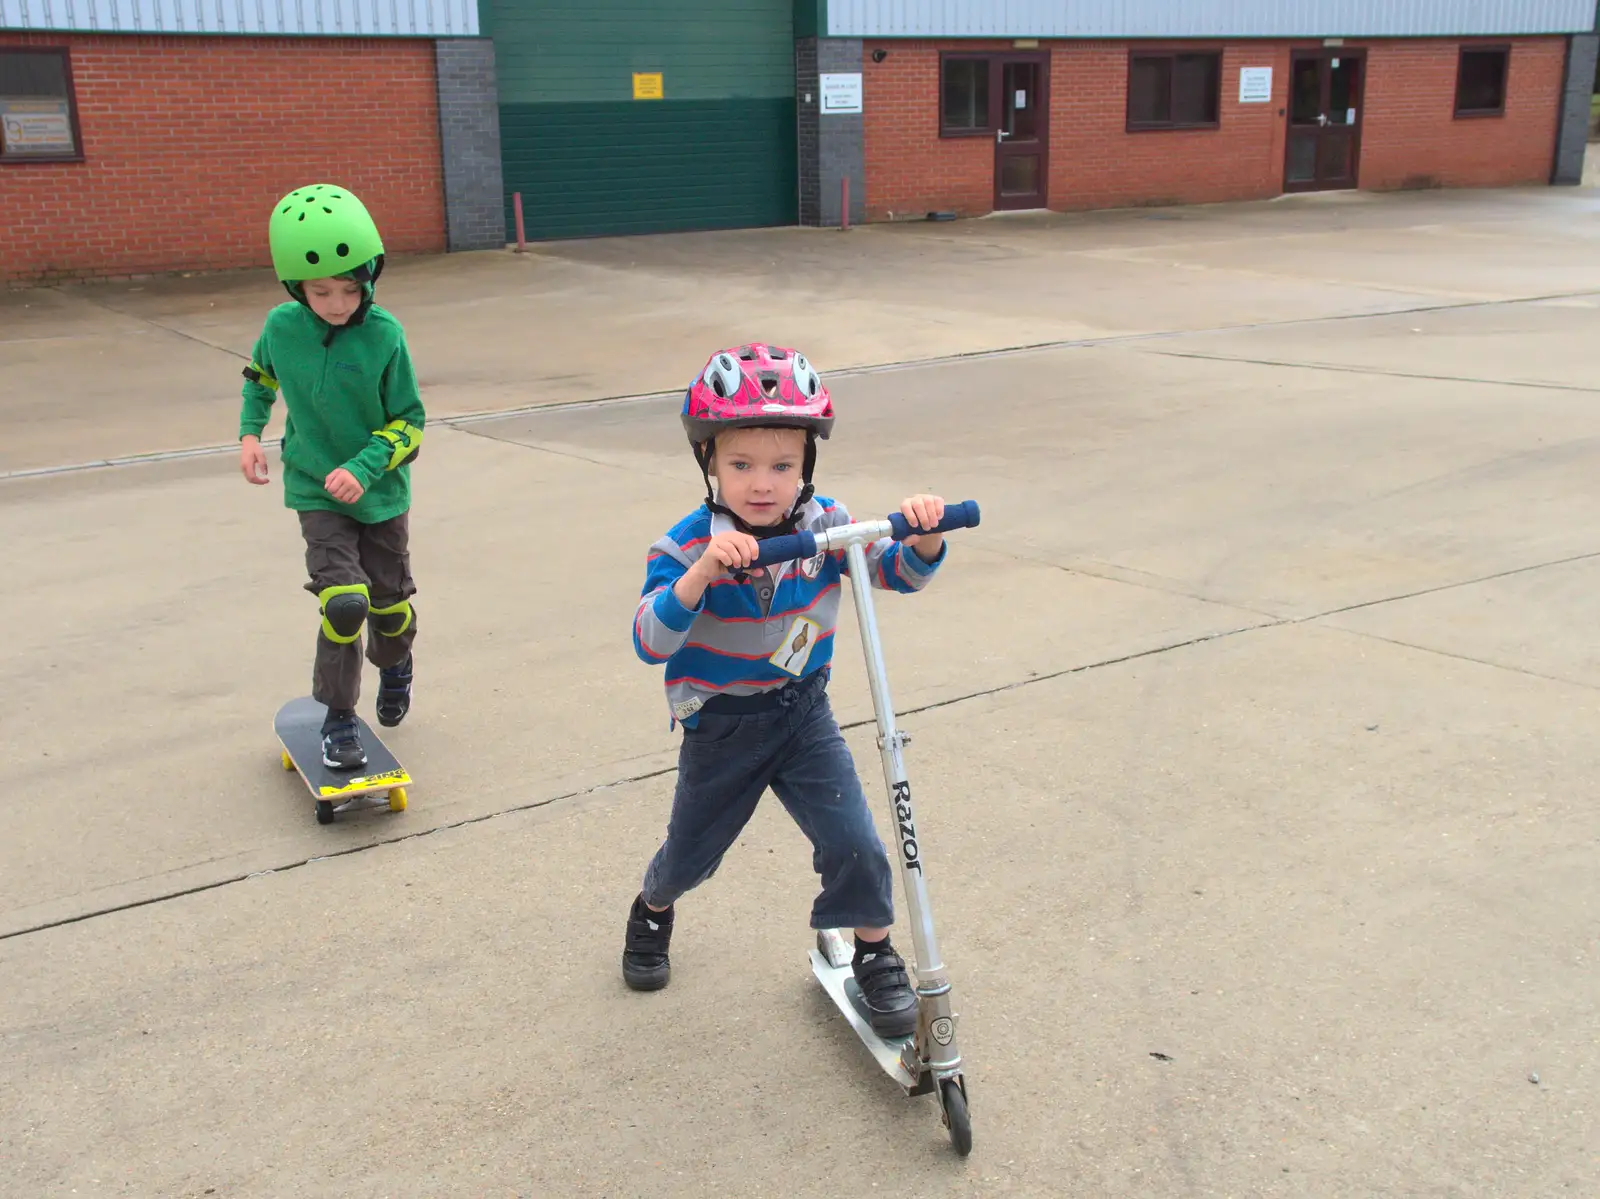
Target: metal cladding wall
(644,116)
(1205,18)
(328,18)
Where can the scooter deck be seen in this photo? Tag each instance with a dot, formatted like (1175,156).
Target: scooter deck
(298,725)
(839,982)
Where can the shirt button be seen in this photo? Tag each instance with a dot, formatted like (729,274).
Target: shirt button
(766,593)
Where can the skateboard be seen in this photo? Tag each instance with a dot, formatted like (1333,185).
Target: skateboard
(298,725)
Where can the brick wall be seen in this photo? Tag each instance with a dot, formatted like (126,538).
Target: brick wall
(911,170)
(1096,163)
(808,130)
(189,140)
(469,128)
(1573,136)
(1409,133)
(841,152)
(1413,139)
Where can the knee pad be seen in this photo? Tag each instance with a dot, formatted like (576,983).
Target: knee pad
(393,620)
(344,609)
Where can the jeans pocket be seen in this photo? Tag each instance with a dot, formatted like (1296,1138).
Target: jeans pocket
(712,728)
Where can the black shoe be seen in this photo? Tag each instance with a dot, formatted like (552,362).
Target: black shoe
(341,741)
(886,988)
(644,954)
(394,693)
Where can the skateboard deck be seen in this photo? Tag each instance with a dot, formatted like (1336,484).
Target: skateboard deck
(298,725)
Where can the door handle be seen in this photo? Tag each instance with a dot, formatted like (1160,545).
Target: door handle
(1000,135)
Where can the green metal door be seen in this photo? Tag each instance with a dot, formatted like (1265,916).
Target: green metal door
(717,150)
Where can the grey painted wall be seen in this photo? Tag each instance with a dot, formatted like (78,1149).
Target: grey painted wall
(1572,140)
(833,146)
(469,136)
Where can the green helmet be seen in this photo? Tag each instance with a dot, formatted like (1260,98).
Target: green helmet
(321,231)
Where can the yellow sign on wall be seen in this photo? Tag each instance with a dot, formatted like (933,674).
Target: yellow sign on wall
(647,86)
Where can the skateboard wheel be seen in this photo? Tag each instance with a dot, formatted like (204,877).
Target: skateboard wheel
(324,811)
(397,800)
(288,762)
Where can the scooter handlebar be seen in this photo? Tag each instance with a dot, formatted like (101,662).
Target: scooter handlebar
(964,515)
(956,516)
(786,549)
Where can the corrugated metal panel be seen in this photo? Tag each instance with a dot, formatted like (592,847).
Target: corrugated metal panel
(591,160)
(571,50)
(320,18)
(1205,18)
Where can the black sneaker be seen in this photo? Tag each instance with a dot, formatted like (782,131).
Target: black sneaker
(341,742)
(644,954)
(886,989)
(394,693)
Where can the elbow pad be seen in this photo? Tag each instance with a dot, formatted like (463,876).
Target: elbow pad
(405,442)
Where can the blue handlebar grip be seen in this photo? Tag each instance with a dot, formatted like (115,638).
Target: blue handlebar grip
(956,516)
(787,549)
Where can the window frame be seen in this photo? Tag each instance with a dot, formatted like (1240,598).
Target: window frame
(65,54)
(1171,55)
(984,56)
(1474,114)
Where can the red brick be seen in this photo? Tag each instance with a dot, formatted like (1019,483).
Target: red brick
(188,142)
(1410,136)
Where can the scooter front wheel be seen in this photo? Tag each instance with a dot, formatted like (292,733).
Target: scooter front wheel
(953,1098)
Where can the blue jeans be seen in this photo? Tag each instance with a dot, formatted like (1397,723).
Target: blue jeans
(794,746)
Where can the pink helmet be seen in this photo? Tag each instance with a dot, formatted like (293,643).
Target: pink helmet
(756,385)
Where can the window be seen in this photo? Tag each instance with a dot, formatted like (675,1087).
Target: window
(1174,91)
(1481,81)
(964,107)
(38,120)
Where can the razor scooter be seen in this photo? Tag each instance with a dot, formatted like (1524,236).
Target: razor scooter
(928,1060)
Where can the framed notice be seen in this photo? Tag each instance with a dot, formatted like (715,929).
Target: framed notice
(1255,85)
(840,93)
(647,85)
(36,125)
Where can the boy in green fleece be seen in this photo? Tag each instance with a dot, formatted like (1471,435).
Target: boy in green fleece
(353,426)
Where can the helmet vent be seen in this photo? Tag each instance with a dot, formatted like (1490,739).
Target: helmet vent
(313,257)
(342,250)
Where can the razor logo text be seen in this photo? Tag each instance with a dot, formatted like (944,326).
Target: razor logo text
(908,829)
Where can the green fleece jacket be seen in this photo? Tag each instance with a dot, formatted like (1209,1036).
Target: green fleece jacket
(341,401)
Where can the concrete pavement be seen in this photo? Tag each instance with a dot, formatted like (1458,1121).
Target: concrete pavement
(103,371)
(1253,731)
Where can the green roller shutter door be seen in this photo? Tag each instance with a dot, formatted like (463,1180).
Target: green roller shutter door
(717,151)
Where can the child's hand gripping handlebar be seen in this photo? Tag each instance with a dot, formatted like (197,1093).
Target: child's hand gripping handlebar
(806,545)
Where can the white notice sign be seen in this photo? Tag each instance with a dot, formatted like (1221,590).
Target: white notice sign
(841,93)
(1255,85)
(35,126)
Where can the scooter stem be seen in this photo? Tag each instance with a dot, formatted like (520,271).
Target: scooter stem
(940,1054)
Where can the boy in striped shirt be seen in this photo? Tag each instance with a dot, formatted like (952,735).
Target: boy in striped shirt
(747,654)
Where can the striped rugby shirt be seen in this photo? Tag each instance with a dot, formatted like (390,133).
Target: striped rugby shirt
(738,642)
